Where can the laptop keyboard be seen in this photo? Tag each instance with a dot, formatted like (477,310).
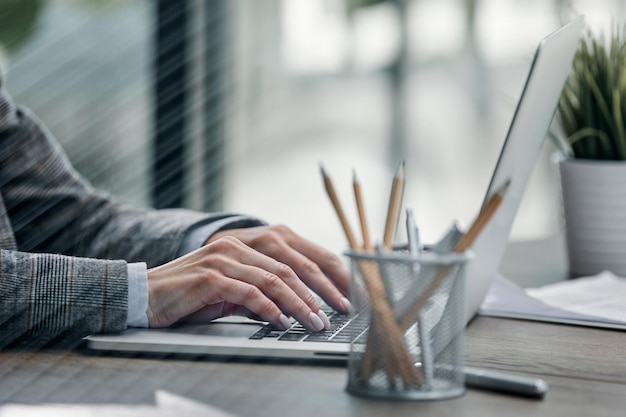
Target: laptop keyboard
(343,329)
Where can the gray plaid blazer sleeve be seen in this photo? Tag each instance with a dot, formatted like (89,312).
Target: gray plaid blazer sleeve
(64,244)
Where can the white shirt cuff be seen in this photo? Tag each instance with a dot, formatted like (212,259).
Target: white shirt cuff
(137,295)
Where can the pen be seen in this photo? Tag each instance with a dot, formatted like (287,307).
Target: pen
(415,246)
(505,382)
(424,334)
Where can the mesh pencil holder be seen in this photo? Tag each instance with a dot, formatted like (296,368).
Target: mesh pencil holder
(413,348)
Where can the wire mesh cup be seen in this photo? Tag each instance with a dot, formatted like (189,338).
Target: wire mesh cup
(415,306)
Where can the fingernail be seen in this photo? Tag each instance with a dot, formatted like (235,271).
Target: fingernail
(324,318)
(316,322)
(345,303)
(284,321)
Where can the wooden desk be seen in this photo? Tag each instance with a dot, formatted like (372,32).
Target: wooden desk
(585,368)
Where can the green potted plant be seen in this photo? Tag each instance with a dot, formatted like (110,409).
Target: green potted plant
(591,119)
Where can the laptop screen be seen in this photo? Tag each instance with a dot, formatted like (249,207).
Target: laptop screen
(522,147)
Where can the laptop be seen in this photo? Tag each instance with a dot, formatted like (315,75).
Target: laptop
(242,337)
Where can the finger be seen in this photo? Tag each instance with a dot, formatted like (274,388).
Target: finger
(311,274)
(279,241)
(304,257)
(286,297)
(274,279)
(289,277)
(327,261)
(253,300)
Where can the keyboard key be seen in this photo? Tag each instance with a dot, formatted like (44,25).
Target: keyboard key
(293,337)
(343,329)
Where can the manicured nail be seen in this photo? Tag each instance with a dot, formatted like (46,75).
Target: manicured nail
(284,321)
(345,303)
(316,322)
(324,318)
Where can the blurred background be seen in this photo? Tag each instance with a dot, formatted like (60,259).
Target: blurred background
(234,104)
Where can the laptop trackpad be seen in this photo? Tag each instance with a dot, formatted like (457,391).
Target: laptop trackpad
(226,327)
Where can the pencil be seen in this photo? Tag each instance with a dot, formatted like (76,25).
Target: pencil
(484,216)
(393,211)
(332,195)
(396,358)
(367,244)
(486,212)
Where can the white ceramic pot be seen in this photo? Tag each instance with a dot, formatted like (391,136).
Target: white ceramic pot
(594,206)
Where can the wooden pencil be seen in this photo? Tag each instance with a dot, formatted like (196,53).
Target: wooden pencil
(395,358)
(466,241)
(486,213)
(367,243)
(332,195)
(393,210)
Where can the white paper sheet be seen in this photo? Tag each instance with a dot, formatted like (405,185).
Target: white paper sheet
(598,301)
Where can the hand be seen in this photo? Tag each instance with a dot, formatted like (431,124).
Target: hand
(227,277)
(320,269)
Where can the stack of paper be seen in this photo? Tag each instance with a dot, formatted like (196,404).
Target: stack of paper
(598,301)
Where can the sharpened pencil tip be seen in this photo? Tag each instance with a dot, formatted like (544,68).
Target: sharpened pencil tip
(504,188)
(400,170)
(323,171)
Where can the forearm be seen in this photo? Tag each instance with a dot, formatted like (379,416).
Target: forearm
(43,294)
(54,210)
(159,236)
